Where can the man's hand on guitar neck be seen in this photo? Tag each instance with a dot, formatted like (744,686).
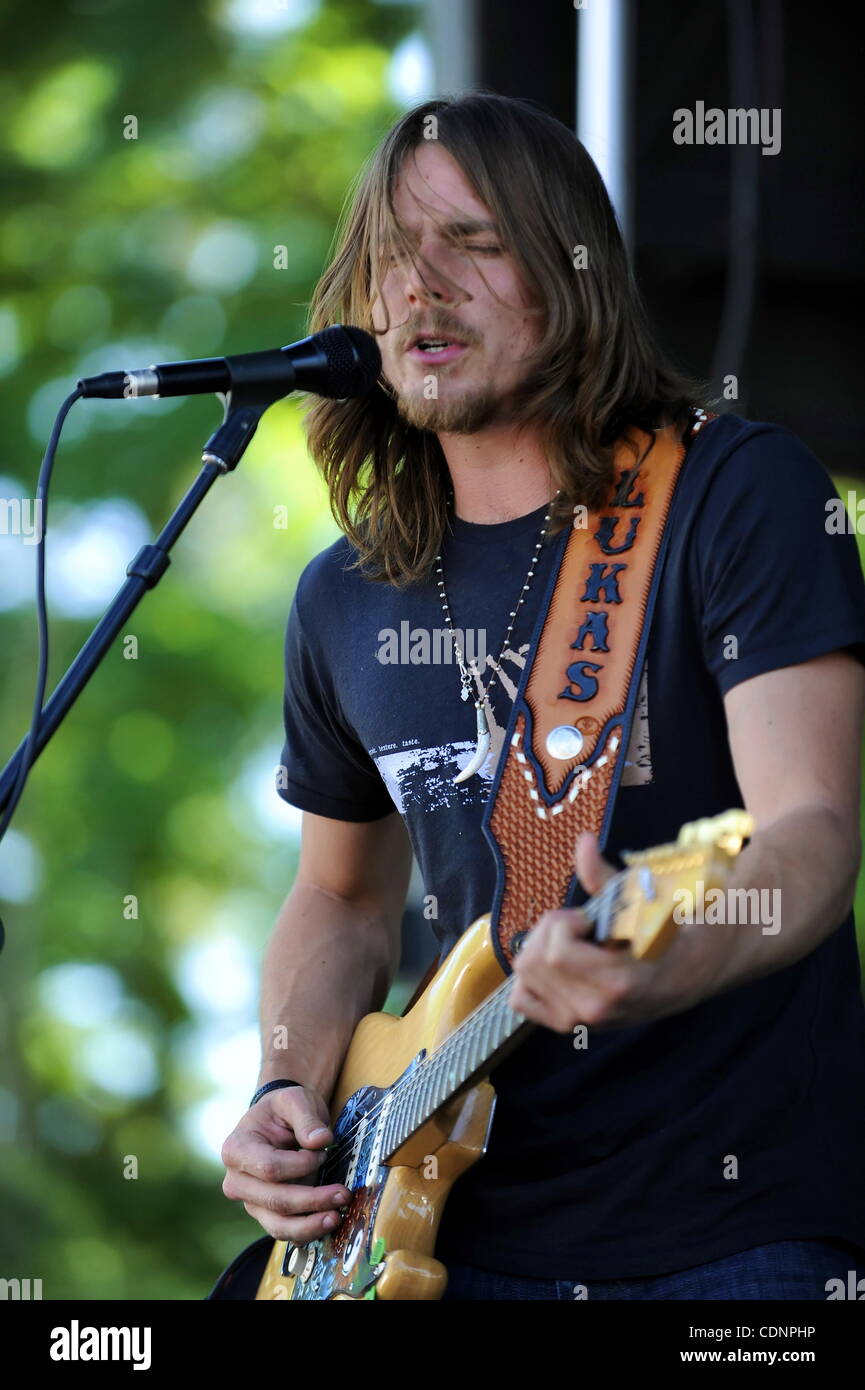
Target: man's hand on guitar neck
(272,1158)
(562,979)
(798,770)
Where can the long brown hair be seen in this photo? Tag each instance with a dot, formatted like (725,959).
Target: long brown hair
(595,371)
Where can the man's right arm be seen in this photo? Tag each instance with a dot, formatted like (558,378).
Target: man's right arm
(335,948)
(332,956)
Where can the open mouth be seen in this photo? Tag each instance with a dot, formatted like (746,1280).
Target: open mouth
(426,348)
(434,345)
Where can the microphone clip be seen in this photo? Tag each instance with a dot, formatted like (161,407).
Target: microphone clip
(258,379)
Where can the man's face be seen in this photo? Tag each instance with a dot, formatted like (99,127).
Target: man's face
(466,385)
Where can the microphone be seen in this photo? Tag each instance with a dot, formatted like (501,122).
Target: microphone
(337,362)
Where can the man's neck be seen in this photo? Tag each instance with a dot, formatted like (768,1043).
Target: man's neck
(497,474)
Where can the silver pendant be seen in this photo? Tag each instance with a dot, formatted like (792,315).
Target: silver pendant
(483,748)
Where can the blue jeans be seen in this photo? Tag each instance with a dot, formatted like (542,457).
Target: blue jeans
(783,1269)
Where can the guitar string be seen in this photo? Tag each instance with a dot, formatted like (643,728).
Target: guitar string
(592,908)
(409,1083)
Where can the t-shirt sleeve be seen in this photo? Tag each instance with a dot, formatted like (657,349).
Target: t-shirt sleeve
(781,582)
(324,768)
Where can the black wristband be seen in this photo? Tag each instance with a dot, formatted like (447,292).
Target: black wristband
(270,1086)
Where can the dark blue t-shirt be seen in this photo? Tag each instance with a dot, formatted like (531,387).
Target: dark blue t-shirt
(614,1161)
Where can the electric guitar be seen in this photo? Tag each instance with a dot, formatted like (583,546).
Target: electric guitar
(413,1105)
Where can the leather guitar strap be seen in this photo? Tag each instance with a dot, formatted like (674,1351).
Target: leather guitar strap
(570,723)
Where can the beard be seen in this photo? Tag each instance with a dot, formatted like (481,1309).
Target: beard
(466,413)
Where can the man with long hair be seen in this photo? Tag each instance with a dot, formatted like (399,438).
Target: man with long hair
(710,1141)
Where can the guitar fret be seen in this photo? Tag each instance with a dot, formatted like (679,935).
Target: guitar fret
(464,1052)
(418,1108)
(441,1088)
(480,1036)
(405,1122)
(406,1106)
(430,1085)
(443,1084)
(442,1073)
(488,1034)
(400,1128)
(474,1047)
(452,1069)
(500,1024)
(455,1066)
(500,1029)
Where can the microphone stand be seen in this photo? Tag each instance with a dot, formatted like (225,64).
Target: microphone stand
(257,380)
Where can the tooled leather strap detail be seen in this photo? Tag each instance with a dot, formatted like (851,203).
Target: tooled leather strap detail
(589,646)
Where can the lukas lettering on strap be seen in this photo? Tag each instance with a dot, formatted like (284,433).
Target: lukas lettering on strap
(570,724)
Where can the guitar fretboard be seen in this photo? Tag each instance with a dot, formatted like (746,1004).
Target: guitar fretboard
(473,1048)
(468,1051)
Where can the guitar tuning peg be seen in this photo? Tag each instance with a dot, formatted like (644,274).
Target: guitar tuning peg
(693,833)
(737,826)
(726,831)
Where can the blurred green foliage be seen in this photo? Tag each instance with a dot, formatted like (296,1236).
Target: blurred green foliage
(172,178)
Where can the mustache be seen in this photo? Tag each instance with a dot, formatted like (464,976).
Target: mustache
(438,327)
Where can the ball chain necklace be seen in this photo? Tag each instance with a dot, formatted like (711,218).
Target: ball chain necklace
(483,729)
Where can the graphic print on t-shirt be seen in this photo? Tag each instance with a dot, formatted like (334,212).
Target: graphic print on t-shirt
(637,771)
(423,777)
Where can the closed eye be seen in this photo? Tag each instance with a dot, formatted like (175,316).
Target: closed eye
(395,258)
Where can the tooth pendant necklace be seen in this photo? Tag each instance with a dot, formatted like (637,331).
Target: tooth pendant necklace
(467,681)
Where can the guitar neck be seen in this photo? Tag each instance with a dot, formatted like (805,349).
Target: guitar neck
(641,915)
(480,1043)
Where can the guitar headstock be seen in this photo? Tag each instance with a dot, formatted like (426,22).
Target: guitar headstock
(649,889)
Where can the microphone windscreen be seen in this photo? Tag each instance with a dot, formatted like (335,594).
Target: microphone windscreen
(353,361)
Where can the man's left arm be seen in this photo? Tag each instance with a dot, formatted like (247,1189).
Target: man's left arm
(795,735)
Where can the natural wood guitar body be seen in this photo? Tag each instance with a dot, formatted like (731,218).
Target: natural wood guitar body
(394,1220)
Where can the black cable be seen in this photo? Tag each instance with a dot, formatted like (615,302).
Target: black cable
(42,486)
